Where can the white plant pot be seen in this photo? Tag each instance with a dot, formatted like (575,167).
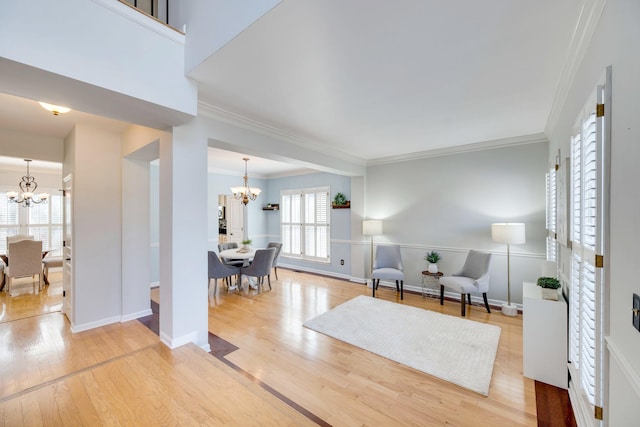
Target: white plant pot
(550,294)
(433,268)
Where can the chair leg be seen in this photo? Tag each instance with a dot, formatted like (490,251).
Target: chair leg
(463,305)
(397,288)
(486,303)
(441,294)
(469,298)
(275,270)
(373,286)
(269,280)
(401,289)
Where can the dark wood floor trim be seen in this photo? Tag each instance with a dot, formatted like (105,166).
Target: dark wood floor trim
(220,349)
(553,407)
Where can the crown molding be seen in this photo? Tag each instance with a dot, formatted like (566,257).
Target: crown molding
(467,148)
(218,113)
(583,32)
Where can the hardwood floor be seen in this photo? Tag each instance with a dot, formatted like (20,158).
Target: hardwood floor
(280,374)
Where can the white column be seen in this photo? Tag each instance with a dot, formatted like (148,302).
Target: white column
(183,238)
(135,236)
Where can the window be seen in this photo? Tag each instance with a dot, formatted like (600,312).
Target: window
(586,301)
(304,223)
(42,221)
(551,212)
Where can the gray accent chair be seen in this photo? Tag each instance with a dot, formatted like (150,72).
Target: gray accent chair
(217,270)
(230,261)
(278,247)
(260,266)
(388,266)
(25,260)
(473,278)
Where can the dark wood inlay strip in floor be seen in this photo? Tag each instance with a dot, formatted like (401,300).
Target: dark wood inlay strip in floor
(220,348)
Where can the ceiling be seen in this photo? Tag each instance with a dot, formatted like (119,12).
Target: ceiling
(370,80)
(378,79)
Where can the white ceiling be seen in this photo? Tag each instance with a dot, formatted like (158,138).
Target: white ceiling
(378,79)
(374,79)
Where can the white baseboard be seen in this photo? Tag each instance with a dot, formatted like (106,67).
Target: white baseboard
(180,341)
(315,271)
(96,324)
(134,316)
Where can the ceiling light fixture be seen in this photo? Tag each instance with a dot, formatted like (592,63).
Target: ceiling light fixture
(55,109)
(27,195)
(245,193)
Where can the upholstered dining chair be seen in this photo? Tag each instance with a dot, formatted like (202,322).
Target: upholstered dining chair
(17,238)
(26,260)
(218,270)
(260,267)
(230,261)
(278,247)
(388,266)
(473,278)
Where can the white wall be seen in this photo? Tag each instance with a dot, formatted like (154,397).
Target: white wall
(211,24)
(447,203)
(96,56)
(615,43)
(97,226)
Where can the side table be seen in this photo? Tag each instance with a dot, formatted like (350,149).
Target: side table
(431,283)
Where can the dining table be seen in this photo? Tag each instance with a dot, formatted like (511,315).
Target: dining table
(246,255)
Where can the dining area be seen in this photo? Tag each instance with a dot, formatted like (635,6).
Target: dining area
(233,264)
(25,257)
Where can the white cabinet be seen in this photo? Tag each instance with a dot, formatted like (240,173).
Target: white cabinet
(544,330)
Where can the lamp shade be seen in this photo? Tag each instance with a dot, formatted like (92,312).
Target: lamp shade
(508,232)
(371,227)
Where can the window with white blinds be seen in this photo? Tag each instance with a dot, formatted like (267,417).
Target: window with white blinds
(42,221)
(586,326)
(551,213)
(304,223)
(9,223)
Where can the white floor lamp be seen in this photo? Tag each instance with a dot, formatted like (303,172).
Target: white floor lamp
(511,233)
(371,227)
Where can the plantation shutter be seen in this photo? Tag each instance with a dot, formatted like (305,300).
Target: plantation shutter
(586,305)
(551,213)
(305,224)
(8,220)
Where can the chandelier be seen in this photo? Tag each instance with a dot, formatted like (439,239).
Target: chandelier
(27,194)
(245,193)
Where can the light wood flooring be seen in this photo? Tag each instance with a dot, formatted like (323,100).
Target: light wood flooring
(280,374)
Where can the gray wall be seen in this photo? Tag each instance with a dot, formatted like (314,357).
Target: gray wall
(447,203)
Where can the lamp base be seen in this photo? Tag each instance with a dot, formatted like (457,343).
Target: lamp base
(509,310)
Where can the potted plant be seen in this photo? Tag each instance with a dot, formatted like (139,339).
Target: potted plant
(246,244)
(432,258)
(549,287)
(340,201)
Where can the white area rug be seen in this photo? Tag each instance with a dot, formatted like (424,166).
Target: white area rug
(451,348)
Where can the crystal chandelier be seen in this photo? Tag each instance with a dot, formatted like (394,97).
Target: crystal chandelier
(245,193)
(27,195)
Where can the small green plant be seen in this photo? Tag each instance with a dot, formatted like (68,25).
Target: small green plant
(246,242)
(339,199)
(433,257)
(548,282)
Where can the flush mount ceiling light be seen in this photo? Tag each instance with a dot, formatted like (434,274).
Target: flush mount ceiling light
(26,196)
(245,193)
(55,109)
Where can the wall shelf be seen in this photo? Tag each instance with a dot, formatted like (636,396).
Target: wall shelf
(272,207)
(345,206)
